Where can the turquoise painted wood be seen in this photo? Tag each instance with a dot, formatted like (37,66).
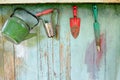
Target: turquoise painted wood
(43,58)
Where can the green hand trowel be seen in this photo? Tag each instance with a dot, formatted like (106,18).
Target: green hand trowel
(96,27)
(17,28)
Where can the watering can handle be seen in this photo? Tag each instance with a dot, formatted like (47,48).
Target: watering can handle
(25,11)
(75,11)
(95,12)
(44,12)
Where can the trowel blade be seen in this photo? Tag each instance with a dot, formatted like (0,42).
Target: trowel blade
(75,26)
(75,31)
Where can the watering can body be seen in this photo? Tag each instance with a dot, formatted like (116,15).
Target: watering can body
(16,29)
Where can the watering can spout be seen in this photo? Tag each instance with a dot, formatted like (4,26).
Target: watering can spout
(30,35)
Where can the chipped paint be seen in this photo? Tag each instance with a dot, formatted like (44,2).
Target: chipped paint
(45,56)
(20,51)
(61,59)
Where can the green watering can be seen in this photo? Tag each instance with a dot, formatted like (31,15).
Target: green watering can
(17,28)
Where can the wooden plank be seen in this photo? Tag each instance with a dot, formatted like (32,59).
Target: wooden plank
(1,50)
(56,51)
(65,58)
(101,58)
(117,7)
(1,59)
(44,72)
(8,49)
(56,60)
(113,46)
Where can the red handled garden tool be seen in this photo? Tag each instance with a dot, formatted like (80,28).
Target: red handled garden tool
(44,12)
(55,19)
(49,25)
(96,28)
(75,23)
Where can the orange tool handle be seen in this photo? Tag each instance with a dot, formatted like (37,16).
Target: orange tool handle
(75,11)
(44,12)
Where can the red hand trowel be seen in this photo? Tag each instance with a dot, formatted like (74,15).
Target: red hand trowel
(75,23)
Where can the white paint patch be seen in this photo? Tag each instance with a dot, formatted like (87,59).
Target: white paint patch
(21,51)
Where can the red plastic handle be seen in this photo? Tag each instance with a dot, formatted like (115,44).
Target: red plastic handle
(75,11)
(44,12)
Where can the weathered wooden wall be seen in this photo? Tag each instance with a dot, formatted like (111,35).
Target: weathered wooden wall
(43,58)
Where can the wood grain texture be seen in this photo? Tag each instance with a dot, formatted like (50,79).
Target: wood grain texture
(57,1)
(1,50)
(8,51)
(65,54)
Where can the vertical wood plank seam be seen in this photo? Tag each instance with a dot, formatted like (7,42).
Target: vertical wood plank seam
(60,59)
(105,57)
(38,51)
(14,55)
(53,58)
(3,44)
(3,58)
(48,62)
(94,62)
(68,64)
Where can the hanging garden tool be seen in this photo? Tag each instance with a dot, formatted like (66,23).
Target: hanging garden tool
(75,23)
(47,24)
(96,27)
(55,17)
(51,32)
(48,11)
(48,28)
(17,28)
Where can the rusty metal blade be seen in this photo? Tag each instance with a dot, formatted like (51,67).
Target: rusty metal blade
(75,31)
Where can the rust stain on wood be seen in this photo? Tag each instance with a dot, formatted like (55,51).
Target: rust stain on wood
(1,22)
(9,66)
(68,64)
(68,36)
(1,64)
(48,65)
(1,68)
(54,73)
(1,51)
(45,56)
(18,62)
(61,58)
